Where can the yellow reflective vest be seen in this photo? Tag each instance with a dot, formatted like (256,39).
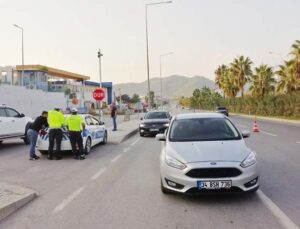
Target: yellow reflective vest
(55,119)
(74,122)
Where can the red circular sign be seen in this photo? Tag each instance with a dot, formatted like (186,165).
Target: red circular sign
(98,94)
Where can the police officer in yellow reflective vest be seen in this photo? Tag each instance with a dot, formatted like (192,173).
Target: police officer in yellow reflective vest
(56,122)
(75,125)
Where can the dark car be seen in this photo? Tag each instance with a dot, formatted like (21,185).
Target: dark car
(222,110)
(154,122)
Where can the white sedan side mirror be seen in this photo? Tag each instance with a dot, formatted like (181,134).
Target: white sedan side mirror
(246,134)
(160,137)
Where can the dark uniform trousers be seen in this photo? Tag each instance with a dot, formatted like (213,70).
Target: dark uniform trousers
(55,135)
(76,139)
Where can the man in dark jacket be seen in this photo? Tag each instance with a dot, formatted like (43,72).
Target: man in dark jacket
(33,133)
(113,115)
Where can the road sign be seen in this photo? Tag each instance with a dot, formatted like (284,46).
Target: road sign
(98,94)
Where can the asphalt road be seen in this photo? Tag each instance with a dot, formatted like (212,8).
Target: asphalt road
(118,186)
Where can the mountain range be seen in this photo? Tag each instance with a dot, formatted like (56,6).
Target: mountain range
(173,86)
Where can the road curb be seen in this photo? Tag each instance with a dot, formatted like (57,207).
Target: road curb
(267,118)
(129,135)
(14,197)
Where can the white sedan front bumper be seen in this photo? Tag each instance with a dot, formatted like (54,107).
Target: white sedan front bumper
(185,184)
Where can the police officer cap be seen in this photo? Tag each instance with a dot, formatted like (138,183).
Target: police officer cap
(74,110)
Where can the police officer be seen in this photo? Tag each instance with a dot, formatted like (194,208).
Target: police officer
(75,126)
(56,122)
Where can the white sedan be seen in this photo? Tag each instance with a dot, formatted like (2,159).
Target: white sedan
(204,153)
(94,133)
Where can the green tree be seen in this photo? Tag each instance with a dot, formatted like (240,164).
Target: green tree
(220,75)
(263,81)
(152,96)
(135,98)
(241,70)
(287,80)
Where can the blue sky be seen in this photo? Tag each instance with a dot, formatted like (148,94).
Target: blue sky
(202,34)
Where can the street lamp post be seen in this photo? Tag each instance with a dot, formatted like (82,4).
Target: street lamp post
(147,45)
(160,74)
(22,76)
(100,75)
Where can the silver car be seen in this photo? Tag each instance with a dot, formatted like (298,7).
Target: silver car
(206,153)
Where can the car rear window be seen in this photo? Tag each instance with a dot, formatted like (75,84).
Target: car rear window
(203,129)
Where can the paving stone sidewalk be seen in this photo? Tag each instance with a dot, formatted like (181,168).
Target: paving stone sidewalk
(13,197)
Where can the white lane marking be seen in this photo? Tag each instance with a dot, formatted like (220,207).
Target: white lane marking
(285,221)
(136,141)
(298,142)
(98,174)
(267,133)
(242,126)
(68,200)
(116,158)
(126,149)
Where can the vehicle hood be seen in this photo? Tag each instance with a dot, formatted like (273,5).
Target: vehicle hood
(156,121)
(189,152)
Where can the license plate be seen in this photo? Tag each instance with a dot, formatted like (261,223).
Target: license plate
(226,184)
(154,130)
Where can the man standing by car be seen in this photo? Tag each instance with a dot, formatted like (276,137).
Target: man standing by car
(56,122)
(75,126)
(33,131)
(113,115)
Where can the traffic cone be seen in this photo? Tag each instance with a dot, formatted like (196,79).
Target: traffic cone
(255,127)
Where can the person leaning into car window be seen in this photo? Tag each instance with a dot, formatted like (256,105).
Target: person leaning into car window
(33,131)
(75,126)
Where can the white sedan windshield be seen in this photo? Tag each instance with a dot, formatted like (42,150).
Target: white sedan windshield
(203,129)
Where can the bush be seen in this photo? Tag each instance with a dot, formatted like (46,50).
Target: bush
(271,105)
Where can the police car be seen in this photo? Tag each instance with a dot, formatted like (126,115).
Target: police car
(94,133)
(13,124)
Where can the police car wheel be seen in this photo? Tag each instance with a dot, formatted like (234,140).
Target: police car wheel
(26,139)
(104,139)
(88,146)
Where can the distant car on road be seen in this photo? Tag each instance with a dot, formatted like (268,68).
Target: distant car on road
(222,110)
(205,153)
(95,133)
(154,122)
(13,124)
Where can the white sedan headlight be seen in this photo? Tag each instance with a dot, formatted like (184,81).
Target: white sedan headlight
(249,160)
(142,125)
(166,124)
(174,163)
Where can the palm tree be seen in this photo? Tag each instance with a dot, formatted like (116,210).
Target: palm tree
(295,52)
(220,75)
(263,81)
(287,82)
(241,69)
(230,87)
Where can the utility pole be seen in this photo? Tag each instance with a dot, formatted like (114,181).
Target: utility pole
(120,104)
(100,107)
(147,45)
(22,76)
